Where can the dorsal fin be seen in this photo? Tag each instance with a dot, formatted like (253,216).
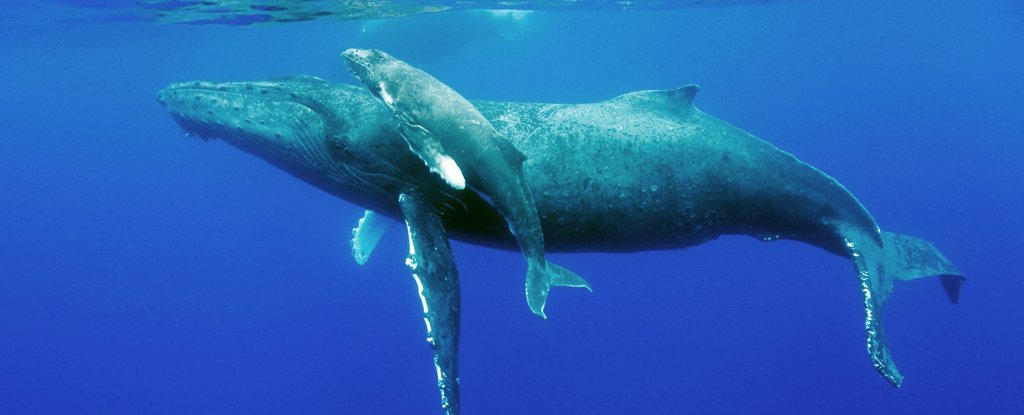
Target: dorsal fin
(665,98)
(512,154)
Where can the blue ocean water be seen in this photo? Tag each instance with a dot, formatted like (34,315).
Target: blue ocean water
(147,272)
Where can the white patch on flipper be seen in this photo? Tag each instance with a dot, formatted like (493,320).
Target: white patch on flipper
(411,262)
(425,146)
(451,172)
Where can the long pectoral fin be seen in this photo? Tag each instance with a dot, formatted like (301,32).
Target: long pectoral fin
(367,233)
(426,146)
(437,280)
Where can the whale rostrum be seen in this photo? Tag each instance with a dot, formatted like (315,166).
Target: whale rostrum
(643,170)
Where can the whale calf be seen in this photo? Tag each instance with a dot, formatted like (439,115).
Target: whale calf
(449,134)
(643,170)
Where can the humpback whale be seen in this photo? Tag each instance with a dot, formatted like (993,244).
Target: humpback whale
(447,132)
(643,170)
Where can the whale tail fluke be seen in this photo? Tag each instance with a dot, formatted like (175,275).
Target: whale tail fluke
(909,258)
(880,261)
(541,276)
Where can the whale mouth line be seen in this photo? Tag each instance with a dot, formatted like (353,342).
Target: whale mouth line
(194,127)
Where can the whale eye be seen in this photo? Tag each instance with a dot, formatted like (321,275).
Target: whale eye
(374,88)
(338,144)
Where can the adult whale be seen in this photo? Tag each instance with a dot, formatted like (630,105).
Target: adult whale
(644,170)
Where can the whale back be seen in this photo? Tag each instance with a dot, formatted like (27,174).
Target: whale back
(649,170)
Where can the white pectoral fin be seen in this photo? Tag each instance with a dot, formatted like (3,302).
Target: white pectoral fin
(425,145)
(367,234)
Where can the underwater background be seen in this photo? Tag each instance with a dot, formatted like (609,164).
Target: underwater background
(145,272)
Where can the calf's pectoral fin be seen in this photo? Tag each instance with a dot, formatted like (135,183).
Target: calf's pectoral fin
(541,276)
(425,145)
(365,236)
(437,282)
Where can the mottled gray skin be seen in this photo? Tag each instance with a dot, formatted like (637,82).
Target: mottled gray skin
(645,170)
(441,126)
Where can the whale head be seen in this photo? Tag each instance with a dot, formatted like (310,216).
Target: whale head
(390,79)
(272,115)
(373,67)
(334,136)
